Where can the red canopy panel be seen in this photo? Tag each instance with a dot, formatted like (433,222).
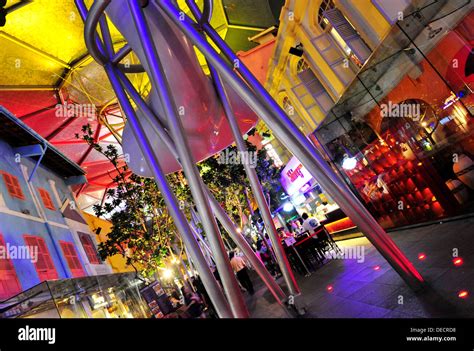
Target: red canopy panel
(37,108)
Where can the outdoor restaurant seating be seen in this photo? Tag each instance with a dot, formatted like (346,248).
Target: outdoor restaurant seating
(307,251)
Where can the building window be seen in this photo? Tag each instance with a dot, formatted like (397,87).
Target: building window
(325,5)
(44,264)
(409,155)
(311,92)
(9,284)
(72,259)
(47,201)
(13,185)
(333,21)
(290,111)
(301,65)
(89,248)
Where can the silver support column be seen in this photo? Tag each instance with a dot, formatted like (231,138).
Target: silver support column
(214,291)
(219,212)
(250,171)
(160,84)
(288,133)
(208,279)
(256,188)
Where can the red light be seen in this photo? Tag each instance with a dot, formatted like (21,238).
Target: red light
(458,261)
(329,288)
(376,268)
(463,294)
(421,256)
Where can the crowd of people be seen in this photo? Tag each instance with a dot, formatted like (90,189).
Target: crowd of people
(193,301)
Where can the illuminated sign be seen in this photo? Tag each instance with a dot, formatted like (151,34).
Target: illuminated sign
(294,176)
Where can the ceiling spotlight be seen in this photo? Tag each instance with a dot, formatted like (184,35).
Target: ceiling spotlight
(463,294)
(458,261)
(421,256)
(329,288)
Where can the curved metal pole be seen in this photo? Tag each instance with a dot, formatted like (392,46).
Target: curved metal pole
(219,212)
(281,257)
(90,26)
(158,79)
(214,291)
(288,133)
(195,253)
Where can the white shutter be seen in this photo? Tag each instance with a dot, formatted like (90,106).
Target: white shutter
(311,92)
(348,33)
(335,57)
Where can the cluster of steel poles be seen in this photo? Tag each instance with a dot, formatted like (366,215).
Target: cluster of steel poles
(228,303)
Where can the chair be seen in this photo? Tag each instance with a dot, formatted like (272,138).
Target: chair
(327,241)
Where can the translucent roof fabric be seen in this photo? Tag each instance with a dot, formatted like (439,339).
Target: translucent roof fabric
(44,65)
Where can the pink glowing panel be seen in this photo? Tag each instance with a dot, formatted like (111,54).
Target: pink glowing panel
(421,256)
(202,115)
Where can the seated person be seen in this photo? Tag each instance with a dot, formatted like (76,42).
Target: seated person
(310,224)
(283,234)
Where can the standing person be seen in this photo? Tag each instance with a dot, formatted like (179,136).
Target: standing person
(268,242)
(240,268)
(266,258)
(193,302)
(309,223)
(295,227)
(202,292)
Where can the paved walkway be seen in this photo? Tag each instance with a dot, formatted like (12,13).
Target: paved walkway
(370,288)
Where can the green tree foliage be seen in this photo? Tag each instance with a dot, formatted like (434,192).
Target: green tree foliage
(143,230)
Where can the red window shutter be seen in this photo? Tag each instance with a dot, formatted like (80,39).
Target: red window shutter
(89,248)
(47,201)
(46,257)
(13,185)
(9,284)
(72,259)
(44,265)
(18,191)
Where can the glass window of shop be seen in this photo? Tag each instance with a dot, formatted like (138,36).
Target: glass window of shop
(303,195)
(105,296)
(402,135)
